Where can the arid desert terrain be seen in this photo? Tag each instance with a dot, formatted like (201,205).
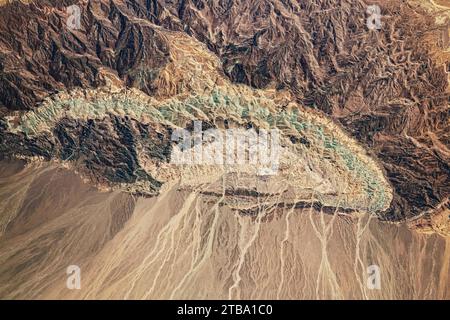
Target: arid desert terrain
(180,247)
(118,177)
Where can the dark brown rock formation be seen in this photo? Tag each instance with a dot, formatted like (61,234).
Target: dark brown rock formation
(383,86)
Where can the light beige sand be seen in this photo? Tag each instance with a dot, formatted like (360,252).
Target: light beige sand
(179,246)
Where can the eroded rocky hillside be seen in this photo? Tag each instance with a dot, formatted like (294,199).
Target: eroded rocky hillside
(367,111)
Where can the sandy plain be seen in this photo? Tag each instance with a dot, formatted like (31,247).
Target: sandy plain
(180,245)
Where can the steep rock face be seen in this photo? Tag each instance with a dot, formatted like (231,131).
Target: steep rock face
(104,150)
(383,86)
(41,55)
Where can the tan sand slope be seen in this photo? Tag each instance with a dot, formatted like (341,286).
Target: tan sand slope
(179,246)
